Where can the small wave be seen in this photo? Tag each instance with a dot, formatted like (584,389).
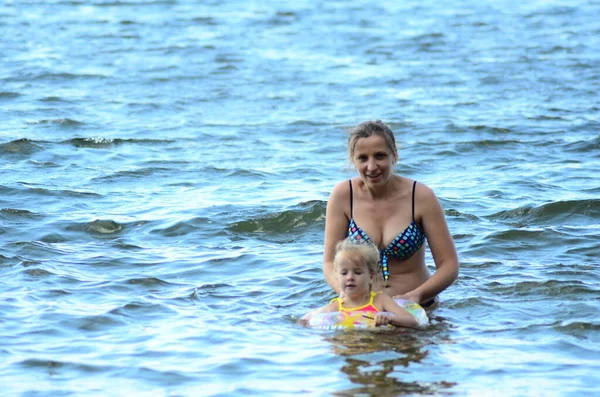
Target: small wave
(282,18)
(9,95)
(484,144)
(94,142)
(590,250)
(98,226)
(543,117)
(52,76)
(146,309)
(51,365)
(44,164)
(47,192)
(518,235)
(50,368)
(302,216)
(134,3)
(211,287)
(142,172)
(62,122)
(308,123)
(578,271)
(19,146)
(451,212)
(551,213)
(72,2)
(239,173)
(53,99)
(225,69)
(53,238)
(555,288)
(37,248)
(104,226)
(470,302)
(17,213)
(182,228)
(121,245)
(100,142)
(147,281)
(492,129)
(29,262)
(553,11)
(209,290)
(577,326)
(210,21)
(587,147)
(556,49)
(37,272)
(588,127)
(97,323)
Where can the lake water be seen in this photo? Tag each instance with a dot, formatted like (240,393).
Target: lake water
(165,167)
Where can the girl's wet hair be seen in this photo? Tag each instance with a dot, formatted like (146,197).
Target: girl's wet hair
(370,128)
(367,252)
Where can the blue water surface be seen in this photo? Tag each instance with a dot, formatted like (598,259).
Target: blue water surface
(165,167)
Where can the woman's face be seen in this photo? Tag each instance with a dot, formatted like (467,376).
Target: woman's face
(374,160)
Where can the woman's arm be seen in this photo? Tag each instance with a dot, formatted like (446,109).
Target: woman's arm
(336,228)
(399,317)
(441,246)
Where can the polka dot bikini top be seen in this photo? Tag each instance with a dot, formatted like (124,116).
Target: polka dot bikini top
(402,247)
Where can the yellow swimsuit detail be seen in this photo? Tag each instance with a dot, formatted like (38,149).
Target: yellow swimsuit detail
(355,316)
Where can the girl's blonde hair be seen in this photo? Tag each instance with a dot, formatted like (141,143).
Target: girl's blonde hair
(367,253)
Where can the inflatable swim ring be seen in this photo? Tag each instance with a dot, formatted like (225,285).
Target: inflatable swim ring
(339,320)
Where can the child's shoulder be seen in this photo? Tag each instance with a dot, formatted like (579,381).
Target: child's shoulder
(334,305)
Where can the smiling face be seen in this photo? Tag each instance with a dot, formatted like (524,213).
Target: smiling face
(353,274)
(374,159)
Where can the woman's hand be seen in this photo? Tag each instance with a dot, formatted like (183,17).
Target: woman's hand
(410,296)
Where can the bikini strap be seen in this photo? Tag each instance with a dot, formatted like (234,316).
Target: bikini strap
(339,301)
(373,294)
(350,182)
(413,200)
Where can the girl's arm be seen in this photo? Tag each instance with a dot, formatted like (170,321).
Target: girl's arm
(336,228)
(399,318)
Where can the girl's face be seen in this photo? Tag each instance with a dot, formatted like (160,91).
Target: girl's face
(374,160)
(353,275)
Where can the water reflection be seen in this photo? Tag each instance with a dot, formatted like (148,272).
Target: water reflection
(384,363)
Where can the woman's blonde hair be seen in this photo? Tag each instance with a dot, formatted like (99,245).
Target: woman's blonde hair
(369,255)
(370,128)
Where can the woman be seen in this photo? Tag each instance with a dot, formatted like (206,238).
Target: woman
(396,213)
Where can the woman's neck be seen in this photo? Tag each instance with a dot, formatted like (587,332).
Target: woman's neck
(382,191)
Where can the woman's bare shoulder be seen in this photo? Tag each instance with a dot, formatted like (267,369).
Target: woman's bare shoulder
(340,189)
(424,193)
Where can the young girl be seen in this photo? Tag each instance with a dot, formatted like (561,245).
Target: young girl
(356,270)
